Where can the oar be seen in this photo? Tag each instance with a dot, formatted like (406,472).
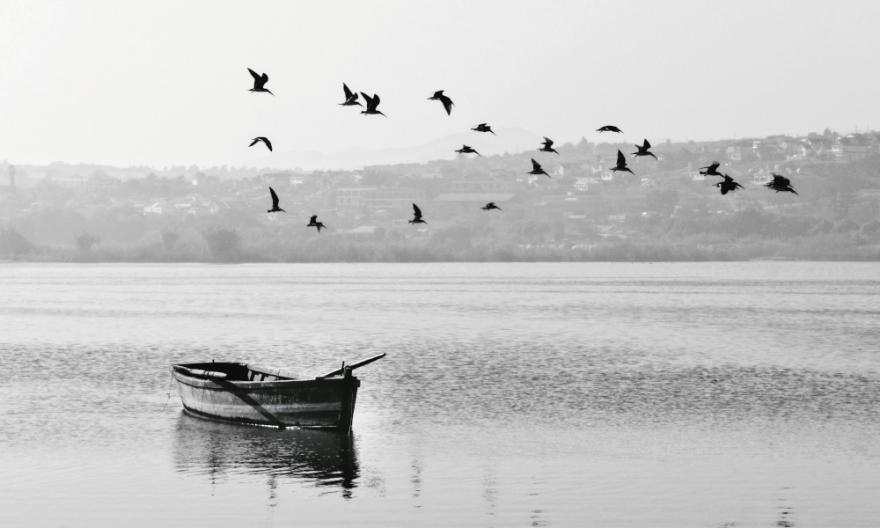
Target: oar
(200,373)
(353,366)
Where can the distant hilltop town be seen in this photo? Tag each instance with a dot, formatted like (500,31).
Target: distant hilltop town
(666,210)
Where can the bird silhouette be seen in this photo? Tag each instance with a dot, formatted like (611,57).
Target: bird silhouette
(537,169)
(372,104)
(275,208)
(417,216)
(711,170)
(260,82)
(643,150)
(727,184)
(447,102)
(621,163)
(548,146)
(780,184)
(483,127)
(465,149)
(351,98)
(489,206)
(313,222)
(265,141)
(609,128)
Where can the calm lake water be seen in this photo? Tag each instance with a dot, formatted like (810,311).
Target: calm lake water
(614,395)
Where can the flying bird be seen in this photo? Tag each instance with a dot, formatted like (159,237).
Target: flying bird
(417,216)
(259,82)
(351,98)
(372,104)
(780,184)
(609,128)
(489,206)
(483,127)
(711,170)
(313,222)
(465,149)
(537,169)
(265,141)
(447,102)
(621,163)
(727,184)
(643,150)
(275,208)
(548,146)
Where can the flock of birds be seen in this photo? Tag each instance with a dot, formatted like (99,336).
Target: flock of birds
(727,184)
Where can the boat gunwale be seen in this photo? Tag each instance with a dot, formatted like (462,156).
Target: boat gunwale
(218,383)
(254,386)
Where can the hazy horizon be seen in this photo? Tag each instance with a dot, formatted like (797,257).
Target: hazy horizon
(161,84)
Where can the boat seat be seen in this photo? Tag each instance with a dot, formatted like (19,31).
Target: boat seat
(257,373)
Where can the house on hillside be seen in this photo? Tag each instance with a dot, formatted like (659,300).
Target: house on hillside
(377,198)
(473,198)
(154,209)
(857,146)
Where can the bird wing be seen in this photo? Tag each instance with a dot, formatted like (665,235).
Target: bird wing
(313,219)
(268,143)
(713,166)
(535,165)
(254,142)
(376,99)
(416,211)
(621,159)
(646,145)
(369,100)
(547,142)
(348,92)
(447,104)
(264,78)
(274,198)
(254,74)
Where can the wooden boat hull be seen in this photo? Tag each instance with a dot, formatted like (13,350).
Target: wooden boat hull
(320,403)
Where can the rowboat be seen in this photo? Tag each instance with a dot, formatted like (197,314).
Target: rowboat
(250,394)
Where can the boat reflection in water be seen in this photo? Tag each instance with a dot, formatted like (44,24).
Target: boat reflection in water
(324,458)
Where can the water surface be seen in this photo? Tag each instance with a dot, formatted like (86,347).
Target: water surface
(705,394)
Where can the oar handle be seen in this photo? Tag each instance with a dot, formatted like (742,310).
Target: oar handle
(353,366)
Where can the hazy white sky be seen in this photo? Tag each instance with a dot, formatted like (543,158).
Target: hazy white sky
(164,82)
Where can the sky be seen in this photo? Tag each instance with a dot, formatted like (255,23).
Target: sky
(165,82)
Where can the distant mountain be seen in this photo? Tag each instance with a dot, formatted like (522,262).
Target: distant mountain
(507,140)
